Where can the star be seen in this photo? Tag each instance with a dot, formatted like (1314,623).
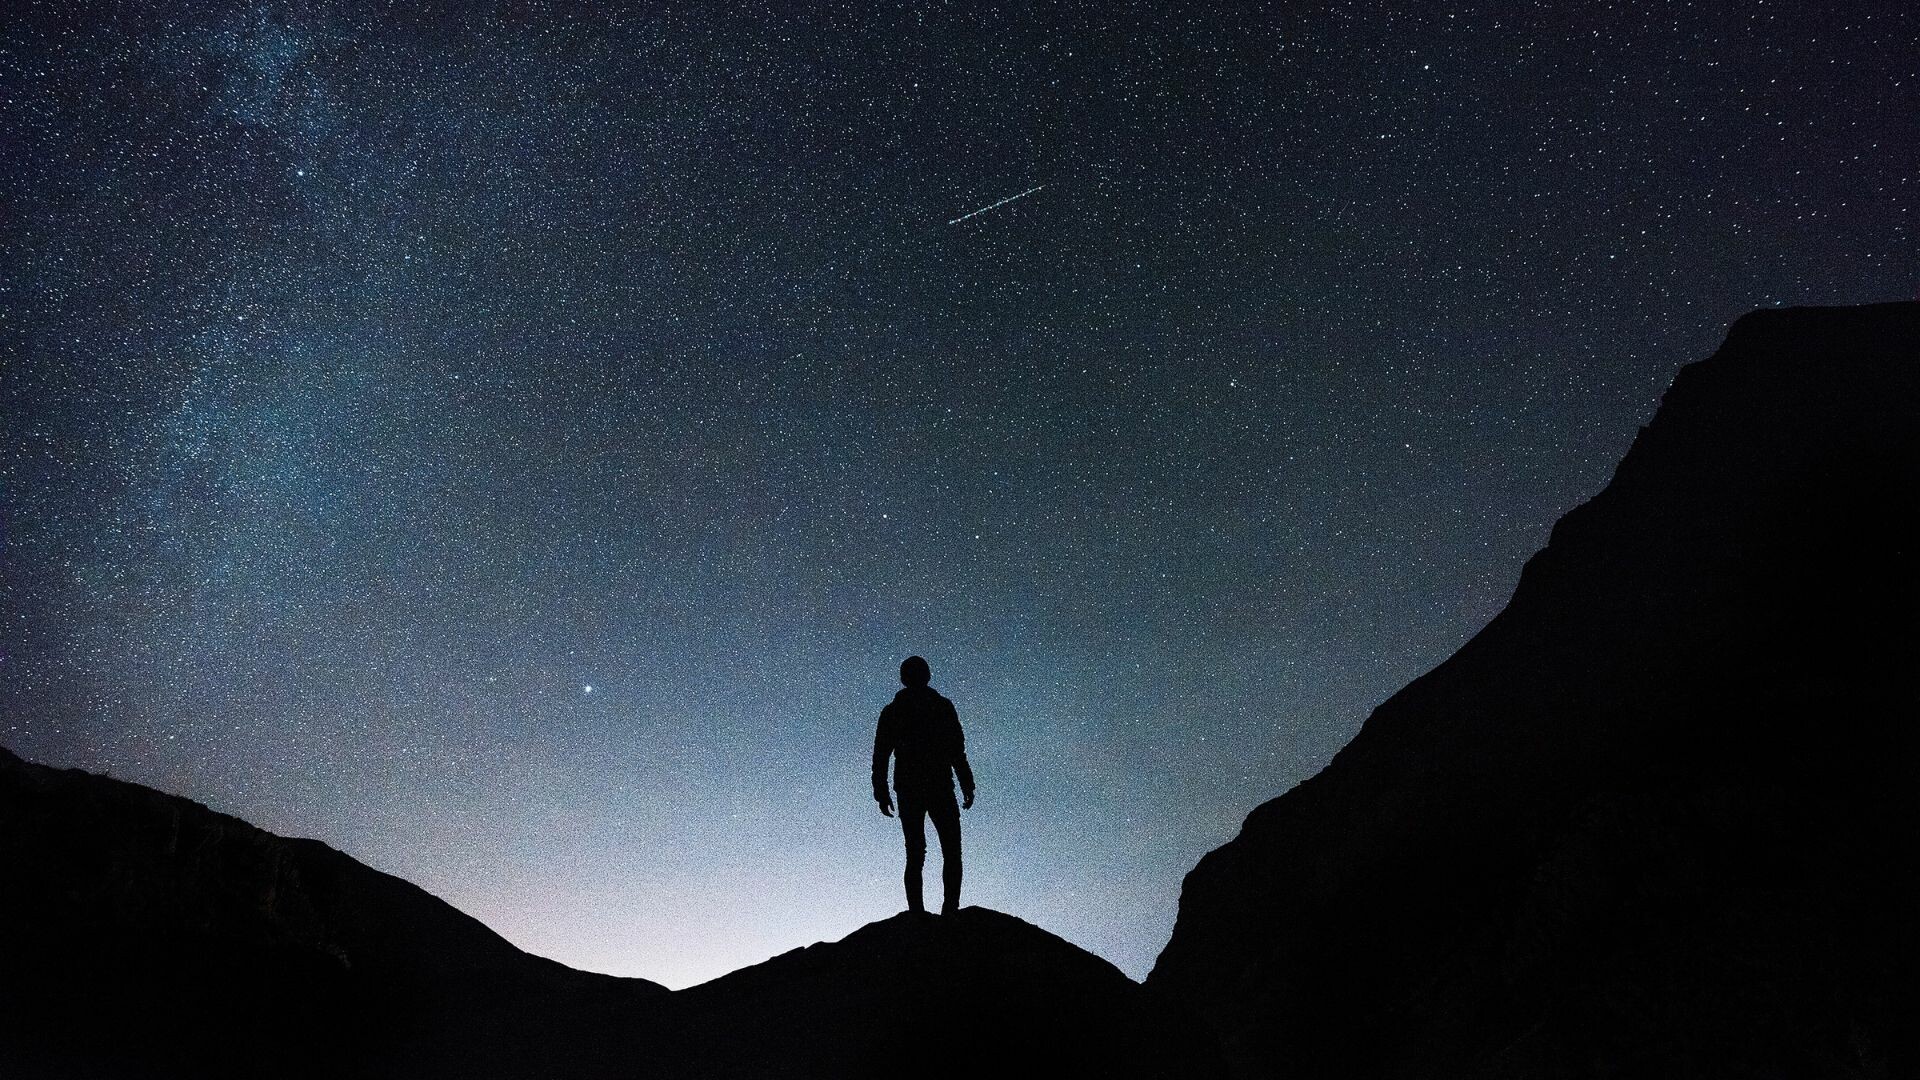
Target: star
(678,317)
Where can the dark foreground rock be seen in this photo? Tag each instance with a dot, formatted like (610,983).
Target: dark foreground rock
(1657,818)
(148,936)
(975,994)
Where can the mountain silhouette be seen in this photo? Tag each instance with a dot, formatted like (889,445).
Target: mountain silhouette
(975,994)
(152,937)
(1657,818)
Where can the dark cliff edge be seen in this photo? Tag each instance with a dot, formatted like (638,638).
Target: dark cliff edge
(1656,818)
(147,935)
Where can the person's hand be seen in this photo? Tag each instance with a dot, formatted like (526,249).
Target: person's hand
(886,807)
(967,802)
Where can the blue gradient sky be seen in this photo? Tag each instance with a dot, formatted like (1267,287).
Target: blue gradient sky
(377,382)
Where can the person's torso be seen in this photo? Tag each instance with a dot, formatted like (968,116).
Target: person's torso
(925,740)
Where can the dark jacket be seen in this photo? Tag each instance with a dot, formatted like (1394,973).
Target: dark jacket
(922,732)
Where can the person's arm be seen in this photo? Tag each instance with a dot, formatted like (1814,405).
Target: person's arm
(882,749)
(960,766)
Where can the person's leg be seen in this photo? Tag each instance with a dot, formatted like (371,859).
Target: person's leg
(946,824)
(913,822)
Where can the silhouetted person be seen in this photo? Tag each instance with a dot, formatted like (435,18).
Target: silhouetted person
(921,732)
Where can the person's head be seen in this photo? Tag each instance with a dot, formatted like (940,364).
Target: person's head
(913,671)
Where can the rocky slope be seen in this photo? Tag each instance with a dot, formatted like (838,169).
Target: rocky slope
(150,936)
(976,994)
(1657,817)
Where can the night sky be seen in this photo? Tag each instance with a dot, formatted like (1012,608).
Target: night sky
(516,446)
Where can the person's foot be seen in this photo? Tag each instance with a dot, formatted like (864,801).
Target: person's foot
(950,907)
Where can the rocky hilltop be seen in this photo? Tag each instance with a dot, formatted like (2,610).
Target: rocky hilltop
(975,994)
(149,936)
(1657,817)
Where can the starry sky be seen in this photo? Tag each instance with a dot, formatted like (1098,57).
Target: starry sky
(517,444)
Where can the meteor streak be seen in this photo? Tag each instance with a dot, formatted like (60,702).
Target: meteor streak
(1002,202)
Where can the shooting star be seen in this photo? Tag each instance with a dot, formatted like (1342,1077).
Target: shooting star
(992,206)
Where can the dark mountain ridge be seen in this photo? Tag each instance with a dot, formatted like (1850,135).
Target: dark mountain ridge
(1656,817)
(978,993)
(153,937)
